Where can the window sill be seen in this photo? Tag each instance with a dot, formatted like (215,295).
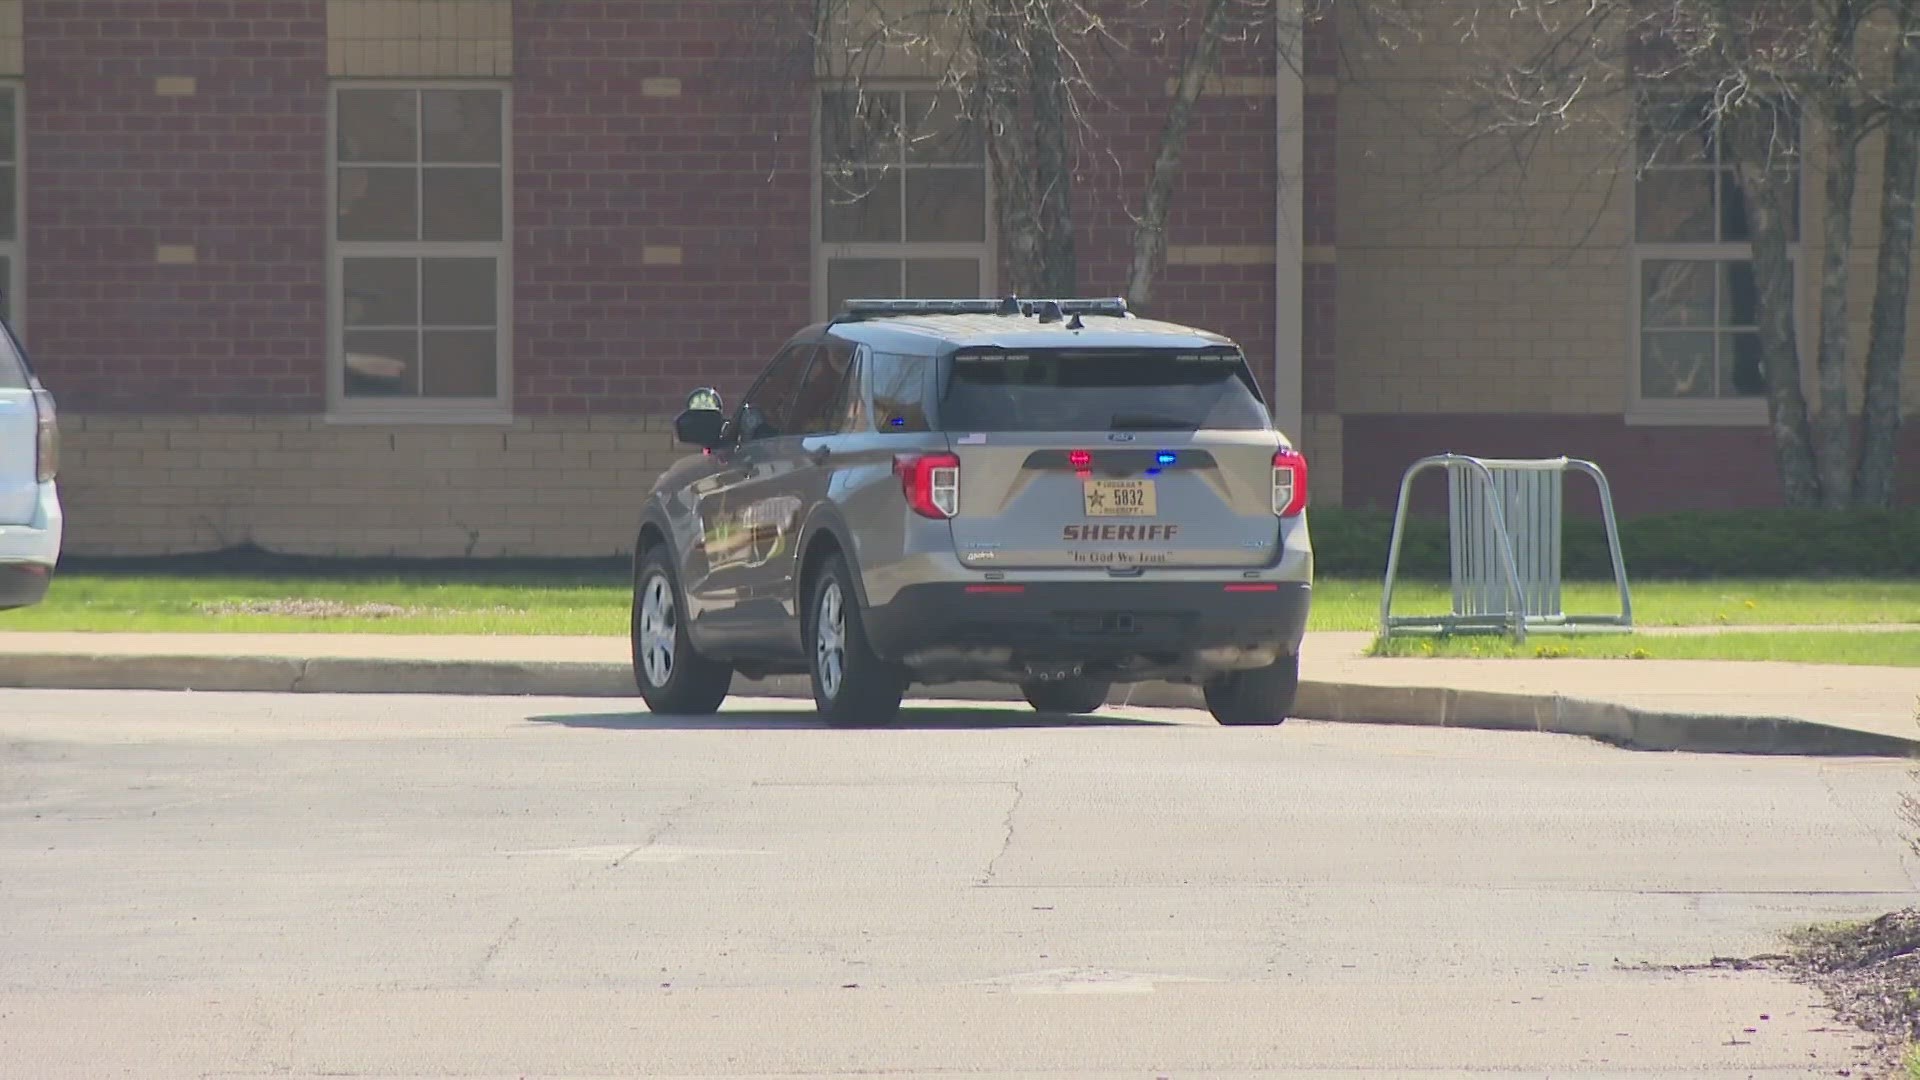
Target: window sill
(1745,413)
(476,416)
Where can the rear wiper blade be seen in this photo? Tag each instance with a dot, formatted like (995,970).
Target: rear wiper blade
(1149,422)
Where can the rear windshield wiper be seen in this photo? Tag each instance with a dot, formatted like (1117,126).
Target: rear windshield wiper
(1150,422)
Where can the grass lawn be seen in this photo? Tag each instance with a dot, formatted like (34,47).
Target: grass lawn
(491,602)
(1893,648)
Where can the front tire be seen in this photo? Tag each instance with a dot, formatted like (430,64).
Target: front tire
(1070,697)
(852,687)
(670,673)
(1261,697)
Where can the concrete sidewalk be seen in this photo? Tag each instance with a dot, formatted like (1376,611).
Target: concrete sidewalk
(1721,706)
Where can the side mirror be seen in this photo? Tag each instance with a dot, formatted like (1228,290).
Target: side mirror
(700,427)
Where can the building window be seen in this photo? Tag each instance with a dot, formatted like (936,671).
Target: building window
(903,198)
(12,274)
(420,260)
(1698,337)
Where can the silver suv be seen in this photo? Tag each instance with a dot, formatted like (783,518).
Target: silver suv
(1049,493)
(31,522)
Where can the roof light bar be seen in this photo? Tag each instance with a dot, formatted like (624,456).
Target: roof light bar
(1112,307)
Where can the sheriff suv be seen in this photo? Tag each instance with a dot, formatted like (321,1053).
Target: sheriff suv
(30,518)
(1048,493)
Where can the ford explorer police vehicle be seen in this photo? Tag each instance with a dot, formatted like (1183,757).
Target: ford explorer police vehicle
(1054,494)
(30,518)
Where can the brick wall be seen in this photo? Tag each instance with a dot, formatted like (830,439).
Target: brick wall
(1219,269)
(1471,291)
(1651,469)
(176,185)
(661,239)
(662,203)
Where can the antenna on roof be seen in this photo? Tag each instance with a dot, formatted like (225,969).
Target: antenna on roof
(1049,311)
(1009,306)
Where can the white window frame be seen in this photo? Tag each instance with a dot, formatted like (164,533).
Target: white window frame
(1705,412)
(344,409)
(985,251)
(15,250)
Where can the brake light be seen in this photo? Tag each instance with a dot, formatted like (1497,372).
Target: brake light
(46,437)
(931,483)
(1289,483)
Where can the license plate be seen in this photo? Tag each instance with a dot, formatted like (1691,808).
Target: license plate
(1119,498)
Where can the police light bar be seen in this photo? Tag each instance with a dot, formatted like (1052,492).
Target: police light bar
(1112,306)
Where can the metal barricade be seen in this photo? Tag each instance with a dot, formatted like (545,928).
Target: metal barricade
(1504,541)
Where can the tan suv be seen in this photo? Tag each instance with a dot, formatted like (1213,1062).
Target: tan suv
(1052,494)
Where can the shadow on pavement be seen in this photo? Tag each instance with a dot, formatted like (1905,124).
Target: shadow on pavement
(801,719)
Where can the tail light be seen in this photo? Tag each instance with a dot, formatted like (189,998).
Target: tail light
(47,437)
(931,483)
(1289,483)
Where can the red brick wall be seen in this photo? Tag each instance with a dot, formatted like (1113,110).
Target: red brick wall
(1224,191)
(604,170)
(237,170)
(1650,469)
(1320,280)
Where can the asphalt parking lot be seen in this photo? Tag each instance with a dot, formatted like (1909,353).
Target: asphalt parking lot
(244,885)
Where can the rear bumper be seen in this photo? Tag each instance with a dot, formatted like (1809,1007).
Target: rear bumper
(29,551)
(23,583)
(1117,628)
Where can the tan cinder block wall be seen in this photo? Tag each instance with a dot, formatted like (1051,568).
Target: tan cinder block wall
(13,58)
(420,38)
(1471,284)
(146,485)
(1467,287)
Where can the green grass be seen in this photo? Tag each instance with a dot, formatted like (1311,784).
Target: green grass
(1896,648)
(542,603)
(1809,601)
(1912,1061)
(476,602)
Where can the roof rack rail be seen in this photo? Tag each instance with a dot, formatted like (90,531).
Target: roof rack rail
(856,310)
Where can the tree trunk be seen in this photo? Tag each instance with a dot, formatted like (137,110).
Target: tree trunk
(1833,430)
(996,27)
(1887,333)
(1750,132)
(1150,231)
(1053,164)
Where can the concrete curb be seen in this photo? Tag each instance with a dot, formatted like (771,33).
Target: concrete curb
(1619,725)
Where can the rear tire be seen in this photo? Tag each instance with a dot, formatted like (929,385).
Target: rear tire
(673,677)
(1069,697)
(1261,697)
(852,687)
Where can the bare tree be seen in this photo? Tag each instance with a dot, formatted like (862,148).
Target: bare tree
(1028,75)
(1747,74)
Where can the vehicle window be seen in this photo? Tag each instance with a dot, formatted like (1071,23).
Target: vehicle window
(1101,390)
(902,386)
(766,412)
(853,403)
(13,370)
(818,406)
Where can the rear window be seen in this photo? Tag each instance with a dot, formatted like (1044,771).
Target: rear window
(1101,390)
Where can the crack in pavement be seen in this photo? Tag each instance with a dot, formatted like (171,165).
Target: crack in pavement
(1885,834)
(668,819)
(493,950)
(1006,841)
